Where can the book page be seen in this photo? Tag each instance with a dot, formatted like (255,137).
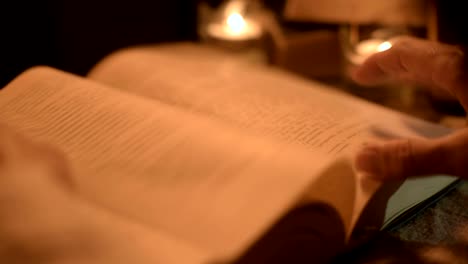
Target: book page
(122,240)
(204,183)
(263,99)
(267,101)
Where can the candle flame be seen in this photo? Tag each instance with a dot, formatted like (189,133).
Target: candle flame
(236,22)
(384,46)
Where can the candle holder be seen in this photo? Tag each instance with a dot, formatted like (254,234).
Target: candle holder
(359,42)
(233,24)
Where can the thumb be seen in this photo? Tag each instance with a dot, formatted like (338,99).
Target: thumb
(400,159)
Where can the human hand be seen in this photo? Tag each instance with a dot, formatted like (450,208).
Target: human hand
(438,67)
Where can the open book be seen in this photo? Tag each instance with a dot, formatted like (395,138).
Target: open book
(237,162)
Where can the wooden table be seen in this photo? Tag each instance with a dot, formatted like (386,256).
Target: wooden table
(439,234)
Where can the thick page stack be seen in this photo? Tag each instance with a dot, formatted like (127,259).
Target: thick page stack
(270,103)
(219,160)
(211,186)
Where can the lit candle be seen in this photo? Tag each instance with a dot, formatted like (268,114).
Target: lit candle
(234,26)
(366,48)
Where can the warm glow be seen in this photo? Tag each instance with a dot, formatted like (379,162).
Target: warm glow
(384,46)
(236,23)
(368,47)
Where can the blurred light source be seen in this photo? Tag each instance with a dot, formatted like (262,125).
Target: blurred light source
(233,22)
(386,12)
(366,26)
(236,23)
(384,46)
(365,48)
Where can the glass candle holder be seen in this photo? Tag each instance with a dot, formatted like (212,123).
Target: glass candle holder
(233,23)
(359,42)
(236,27)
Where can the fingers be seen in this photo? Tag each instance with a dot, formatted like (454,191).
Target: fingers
(431,64)
(401,159)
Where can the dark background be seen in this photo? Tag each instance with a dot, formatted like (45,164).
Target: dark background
(453,21)
(73,35)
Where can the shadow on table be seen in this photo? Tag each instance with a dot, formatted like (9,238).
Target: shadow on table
(438,235)
(388,249)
